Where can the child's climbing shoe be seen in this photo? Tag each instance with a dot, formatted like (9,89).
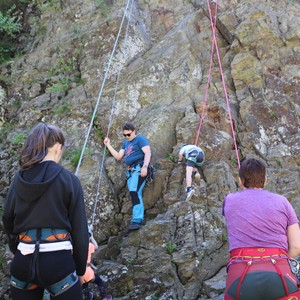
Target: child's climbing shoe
(189,193)
(197,176)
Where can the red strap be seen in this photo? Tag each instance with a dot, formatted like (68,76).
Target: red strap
(242,279)
(281,275)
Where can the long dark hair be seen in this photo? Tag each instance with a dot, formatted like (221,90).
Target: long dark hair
(36,146)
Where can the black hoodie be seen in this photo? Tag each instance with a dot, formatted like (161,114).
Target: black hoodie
(48,196)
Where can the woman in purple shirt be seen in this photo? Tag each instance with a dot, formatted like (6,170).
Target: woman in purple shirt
(263,235)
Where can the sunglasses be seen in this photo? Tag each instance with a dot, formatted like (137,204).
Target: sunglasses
(127,134)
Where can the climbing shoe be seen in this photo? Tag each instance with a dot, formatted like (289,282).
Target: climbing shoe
(134,226)
(189,193)
(197,176)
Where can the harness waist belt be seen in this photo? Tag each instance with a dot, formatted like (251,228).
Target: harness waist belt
(259,252)
(139,161)
(48,247)
(47,235)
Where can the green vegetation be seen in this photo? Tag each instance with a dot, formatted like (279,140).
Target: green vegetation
(12,13)
(74,155)
(6,79)
(1,211)
(103,6)
(75,158)
(118,245)
(41,31)
(9,27)
(170,247)
(130,262)
(11,23)
(51,6)
(171,157)
(61,86)
(131,294)
(98,129)
(235,161)
(155,106)
(66,70)
(63,109)
(18,138)
(99,133)
(4,130)
(272,114)
(1,260)
(17,102)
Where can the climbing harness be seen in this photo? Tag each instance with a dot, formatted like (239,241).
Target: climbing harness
(150,174)
(50,240)
(34,241)
(214,47)
(140,162)
(193,157)
(252,259)
(54,289)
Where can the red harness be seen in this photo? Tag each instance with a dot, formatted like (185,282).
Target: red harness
(249,256)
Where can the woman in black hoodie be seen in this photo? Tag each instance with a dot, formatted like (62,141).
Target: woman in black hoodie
(44,218)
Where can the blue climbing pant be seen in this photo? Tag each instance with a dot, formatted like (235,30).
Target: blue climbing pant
(135,184)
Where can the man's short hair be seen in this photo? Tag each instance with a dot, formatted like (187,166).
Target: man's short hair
(128,126)
(252,173)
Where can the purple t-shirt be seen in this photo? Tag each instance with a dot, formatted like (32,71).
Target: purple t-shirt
(258,218)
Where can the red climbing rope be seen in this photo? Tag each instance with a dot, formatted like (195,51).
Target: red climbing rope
(215,45)
(208,81)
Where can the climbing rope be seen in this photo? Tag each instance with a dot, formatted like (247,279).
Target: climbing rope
(101,89)
(215,46)
(109,123)
(208,80)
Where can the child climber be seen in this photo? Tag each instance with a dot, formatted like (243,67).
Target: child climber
(90,276)
(194,157)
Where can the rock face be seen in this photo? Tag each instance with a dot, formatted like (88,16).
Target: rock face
(162,62)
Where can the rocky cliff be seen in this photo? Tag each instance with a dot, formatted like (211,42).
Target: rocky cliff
(161,64)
